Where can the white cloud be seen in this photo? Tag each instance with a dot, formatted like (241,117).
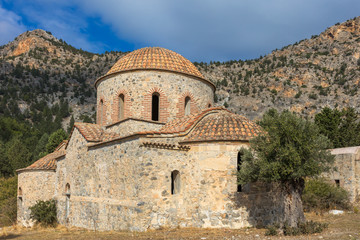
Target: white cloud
(61,19)
(10,26)
(201,30)
(219,30)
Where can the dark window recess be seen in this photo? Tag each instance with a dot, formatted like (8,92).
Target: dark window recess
(337,182)
(187,106)
(175,182)
(239,156)
(155,107)
(121,107)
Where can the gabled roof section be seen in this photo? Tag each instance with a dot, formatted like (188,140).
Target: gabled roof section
(94,132)
(183,124)
(212,124)
(49,161)
(91,132)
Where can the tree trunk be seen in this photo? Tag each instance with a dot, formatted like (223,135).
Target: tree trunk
(293,212)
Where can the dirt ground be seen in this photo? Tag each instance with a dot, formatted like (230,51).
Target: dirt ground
(346,226)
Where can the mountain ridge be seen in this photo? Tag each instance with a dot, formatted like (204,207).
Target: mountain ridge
(303,77)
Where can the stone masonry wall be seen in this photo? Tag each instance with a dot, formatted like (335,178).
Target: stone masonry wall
(138,87)
(35,185)
(347,173)
(127,186)
(131,126)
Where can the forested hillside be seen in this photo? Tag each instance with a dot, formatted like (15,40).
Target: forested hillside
(46,84)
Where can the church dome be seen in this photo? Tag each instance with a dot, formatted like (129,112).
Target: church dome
(155,58)
(223,126)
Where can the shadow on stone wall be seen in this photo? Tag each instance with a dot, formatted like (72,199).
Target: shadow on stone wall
(267,204)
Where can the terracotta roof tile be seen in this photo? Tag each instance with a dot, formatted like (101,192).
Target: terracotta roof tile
(155,58)
(94,132)
(91,132)
(223,126)
(183,124)
(47,162)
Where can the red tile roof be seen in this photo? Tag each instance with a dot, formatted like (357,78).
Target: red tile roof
(91,132)
(94,132)
(183,124)
(155,58)
(223,126)
(212,124)
(47,162)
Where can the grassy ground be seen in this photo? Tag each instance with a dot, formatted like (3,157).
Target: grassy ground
(346,226)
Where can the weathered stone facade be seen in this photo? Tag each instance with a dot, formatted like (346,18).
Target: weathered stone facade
(137,173)
(138,88)
(347,170)
(33,185)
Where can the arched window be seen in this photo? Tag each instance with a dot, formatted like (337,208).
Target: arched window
(209,106)
(67,189)
(187,106)
(101,112)
(67,201)
(121,107)
(175,182)
(155,104)
(239,161)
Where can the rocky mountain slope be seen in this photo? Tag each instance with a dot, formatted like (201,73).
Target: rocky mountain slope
(303,77)
(36,66)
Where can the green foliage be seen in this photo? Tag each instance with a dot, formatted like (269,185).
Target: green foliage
(18,154)
(291,149)
(272,230)
(40,147)
(341,127)
(313,96)
(309,227)
(8,192)
(85,118)
(55,139)
(44,212)
(303,228)
(71,124)
(321,195)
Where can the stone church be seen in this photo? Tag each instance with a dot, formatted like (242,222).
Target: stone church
(160,155)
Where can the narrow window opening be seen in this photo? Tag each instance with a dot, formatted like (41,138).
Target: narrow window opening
(121,107)
(187,106)
(209,106)
(337,182)
(20,193)
(101,112)
(67,201)
(155,107)
(175,182)
(239,161)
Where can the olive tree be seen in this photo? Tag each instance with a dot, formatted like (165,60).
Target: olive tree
(289,150)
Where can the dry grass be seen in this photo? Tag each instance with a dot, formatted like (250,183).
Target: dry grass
(345,226)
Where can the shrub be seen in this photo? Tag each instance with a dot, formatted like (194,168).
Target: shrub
(8,190)
(44,212)
(309,227)
(272,230)
(321,195)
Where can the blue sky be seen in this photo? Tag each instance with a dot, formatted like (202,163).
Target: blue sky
(200,30)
